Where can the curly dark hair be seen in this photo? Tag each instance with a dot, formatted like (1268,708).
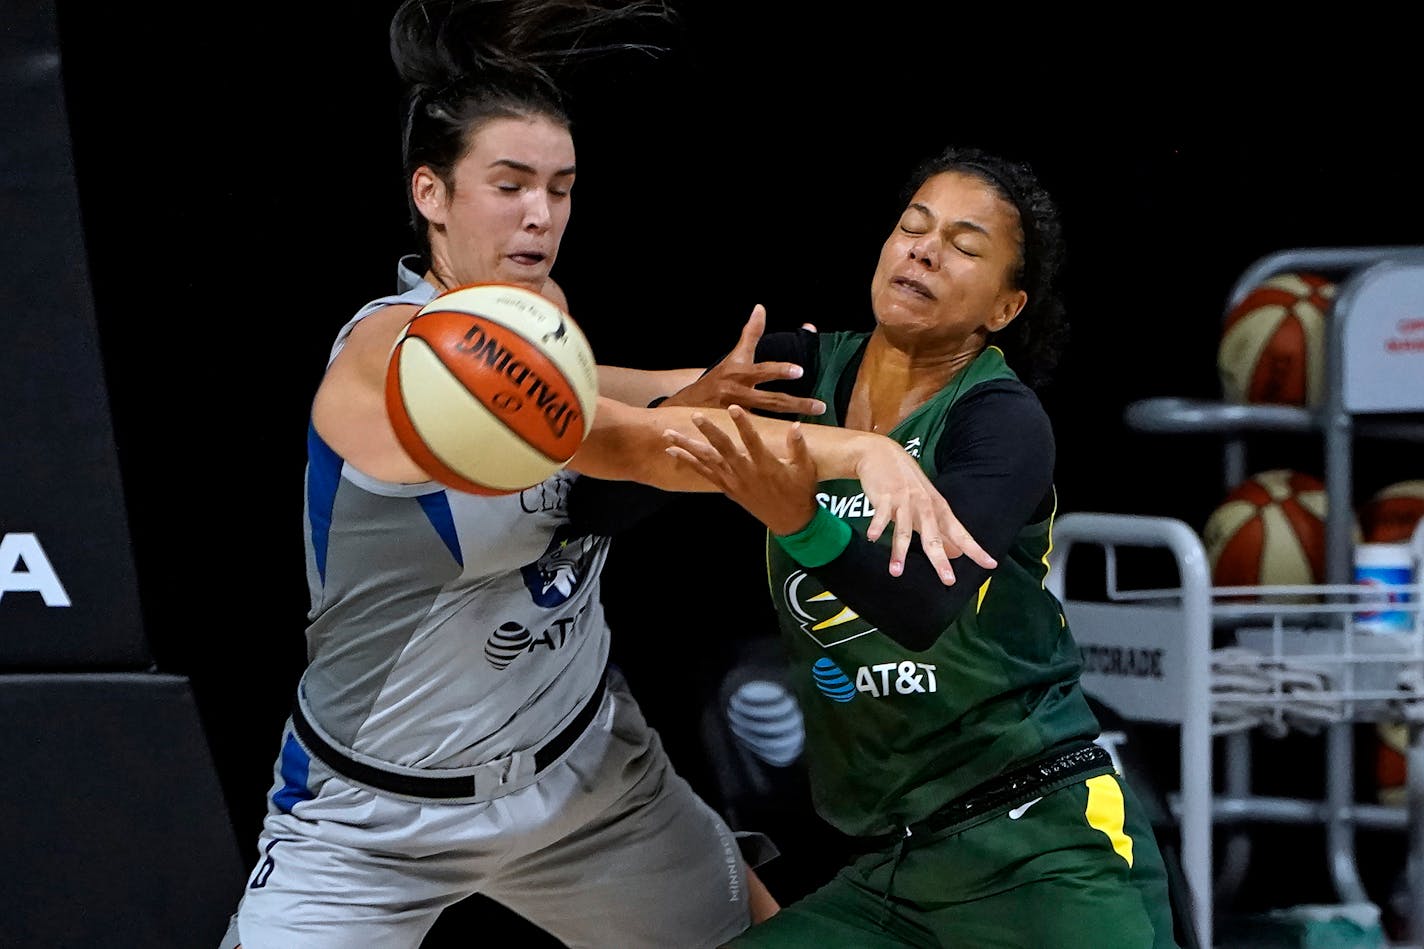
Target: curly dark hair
(464,63)
(1034,341)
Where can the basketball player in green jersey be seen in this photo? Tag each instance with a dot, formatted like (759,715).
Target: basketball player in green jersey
(945,725)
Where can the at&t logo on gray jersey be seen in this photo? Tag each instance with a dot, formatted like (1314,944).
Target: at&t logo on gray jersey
(511,640)
(506,643)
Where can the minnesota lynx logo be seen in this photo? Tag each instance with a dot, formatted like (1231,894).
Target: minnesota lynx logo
(555,577)
(24,568)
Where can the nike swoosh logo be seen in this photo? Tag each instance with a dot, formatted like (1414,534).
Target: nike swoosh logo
(1018,812)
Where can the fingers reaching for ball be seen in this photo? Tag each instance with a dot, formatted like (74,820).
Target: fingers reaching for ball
(778,491)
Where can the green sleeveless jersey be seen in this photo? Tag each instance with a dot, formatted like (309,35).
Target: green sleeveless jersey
(893,735)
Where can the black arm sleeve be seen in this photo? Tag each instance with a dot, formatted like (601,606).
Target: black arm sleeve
(798,346)
(995,463)
(606,507)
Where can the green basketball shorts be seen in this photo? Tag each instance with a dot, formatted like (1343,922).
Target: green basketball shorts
(1077,868)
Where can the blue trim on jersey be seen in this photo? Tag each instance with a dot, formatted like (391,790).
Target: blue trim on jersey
(295,770)
(437,509)
(323,476)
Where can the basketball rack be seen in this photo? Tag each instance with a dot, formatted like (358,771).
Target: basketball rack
(1296,657)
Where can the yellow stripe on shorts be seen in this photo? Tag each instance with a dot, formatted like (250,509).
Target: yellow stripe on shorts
(1105,812)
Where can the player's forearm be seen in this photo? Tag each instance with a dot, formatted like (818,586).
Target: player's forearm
(837,452)
(640,386)
(628,444)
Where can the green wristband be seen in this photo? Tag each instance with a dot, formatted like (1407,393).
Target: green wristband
(819,542)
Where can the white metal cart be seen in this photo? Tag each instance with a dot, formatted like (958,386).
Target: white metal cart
(1149,653)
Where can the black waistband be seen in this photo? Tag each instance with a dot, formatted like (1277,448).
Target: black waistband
(441,788)
(1001,793)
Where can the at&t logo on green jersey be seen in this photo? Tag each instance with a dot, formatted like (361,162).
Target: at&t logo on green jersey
(880,680)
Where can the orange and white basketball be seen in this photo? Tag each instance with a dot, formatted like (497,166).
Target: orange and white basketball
(1269,531)
(491,388)
(1392,513)
(1272,348)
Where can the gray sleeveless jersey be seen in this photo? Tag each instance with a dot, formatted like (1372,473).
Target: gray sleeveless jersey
(446,629)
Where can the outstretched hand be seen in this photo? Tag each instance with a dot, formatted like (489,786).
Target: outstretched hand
(901,494)
(735,379)
(780,491)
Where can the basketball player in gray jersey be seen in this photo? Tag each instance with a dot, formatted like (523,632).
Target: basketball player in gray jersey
(457,728)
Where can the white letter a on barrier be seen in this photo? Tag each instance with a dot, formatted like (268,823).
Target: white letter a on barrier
(36,577)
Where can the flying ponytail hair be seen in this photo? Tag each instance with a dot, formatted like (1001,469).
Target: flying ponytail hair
(464,63)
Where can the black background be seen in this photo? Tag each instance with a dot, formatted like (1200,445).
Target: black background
(241,196)
(56,437)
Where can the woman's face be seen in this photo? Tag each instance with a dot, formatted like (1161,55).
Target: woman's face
(946,270)
(505,216)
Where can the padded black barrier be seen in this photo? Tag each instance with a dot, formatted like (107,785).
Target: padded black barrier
(68,595)
(113,827)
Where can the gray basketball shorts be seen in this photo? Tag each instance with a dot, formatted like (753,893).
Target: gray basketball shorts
(609,847)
